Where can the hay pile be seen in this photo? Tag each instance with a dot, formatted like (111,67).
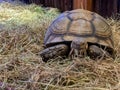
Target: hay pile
(22,30)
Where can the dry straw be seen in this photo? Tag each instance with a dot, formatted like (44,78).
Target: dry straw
(22,31)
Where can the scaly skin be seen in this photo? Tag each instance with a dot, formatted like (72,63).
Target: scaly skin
(54,51)
(96,52)
(78,48)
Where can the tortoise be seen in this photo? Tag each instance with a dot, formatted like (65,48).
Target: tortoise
(78,33)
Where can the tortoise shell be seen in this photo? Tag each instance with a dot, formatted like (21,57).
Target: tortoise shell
(79,23)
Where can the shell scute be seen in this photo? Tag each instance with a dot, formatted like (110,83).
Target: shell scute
(79,24)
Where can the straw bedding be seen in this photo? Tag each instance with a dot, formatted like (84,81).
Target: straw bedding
(22,29)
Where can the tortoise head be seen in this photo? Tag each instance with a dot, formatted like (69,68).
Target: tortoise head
(78,48)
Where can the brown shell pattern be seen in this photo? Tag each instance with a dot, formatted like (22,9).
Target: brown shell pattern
(79,24)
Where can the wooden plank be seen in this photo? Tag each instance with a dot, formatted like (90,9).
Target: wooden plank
(76,5)
(66,4)
(52,2)
(90,5)
(69,4)
(105,8)
(83,4)
(118,6)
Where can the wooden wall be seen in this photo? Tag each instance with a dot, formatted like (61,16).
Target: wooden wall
(63,5)
(104,7)
(118,6)
(85,4)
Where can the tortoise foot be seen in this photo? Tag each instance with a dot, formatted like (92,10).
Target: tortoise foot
(54,51)
(95,52)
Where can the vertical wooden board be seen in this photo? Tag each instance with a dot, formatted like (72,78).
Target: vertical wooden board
(84,4)
(75,4)
(90,5)
(45,3)
(66,4)
(118,6)
(105,8)
(55,4)
(69,4)
(62,5)
(52,3)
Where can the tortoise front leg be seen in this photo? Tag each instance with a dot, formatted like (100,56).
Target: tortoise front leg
(96,52)
(54,51)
